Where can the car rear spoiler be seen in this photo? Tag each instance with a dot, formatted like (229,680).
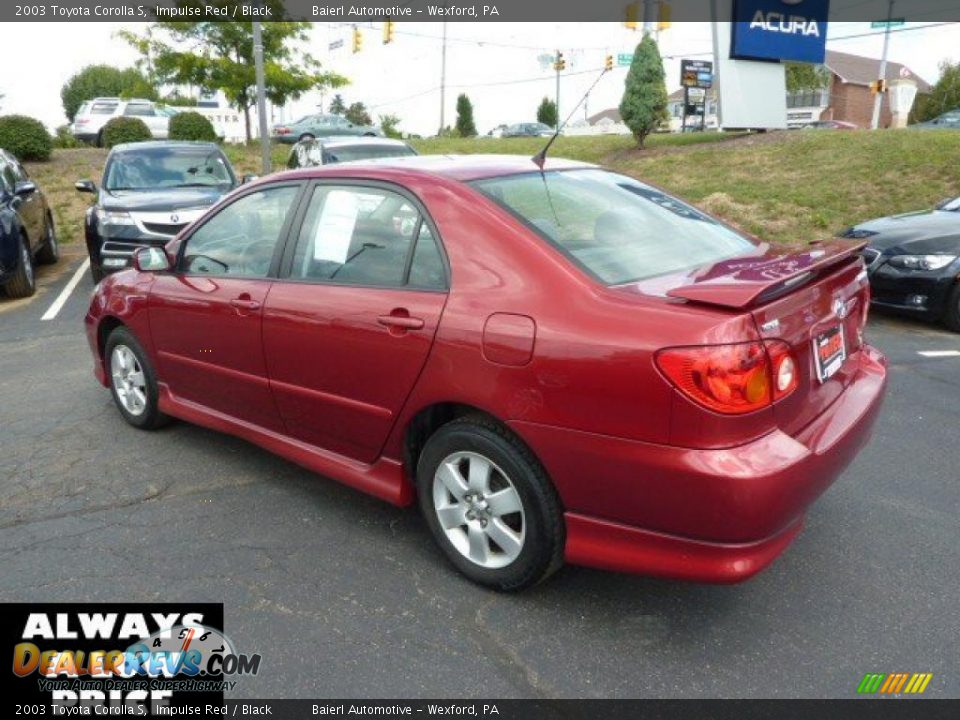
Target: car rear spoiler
(746,282)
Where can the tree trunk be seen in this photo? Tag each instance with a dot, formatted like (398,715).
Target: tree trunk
(246,122)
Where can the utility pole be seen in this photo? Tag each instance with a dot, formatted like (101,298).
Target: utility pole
(878,100)
(648,6)
(443,77)
(557,101)
(261,97)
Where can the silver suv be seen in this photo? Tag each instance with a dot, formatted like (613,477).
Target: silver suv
(94,114)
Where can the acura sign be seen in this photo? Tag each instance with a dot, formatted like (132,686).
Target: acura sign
(787,30)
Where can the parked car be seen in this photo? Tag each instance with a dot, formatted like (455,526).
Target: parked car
(830,125)
(566,365)
(27,231)
(150,191)
(93,115)
(527,130)
(947,121)
(326,151)
(914,261)
(313,126)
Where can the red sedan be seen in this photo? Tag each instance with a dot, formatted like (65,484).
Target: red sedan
(558,365)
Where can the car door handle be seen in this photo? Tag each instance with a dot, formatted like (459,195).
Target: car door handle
(404,322)
(245,304)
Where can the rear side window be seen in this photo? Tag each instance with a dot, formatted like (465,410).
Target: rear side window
(615,228)
(364,151)
(139,110)
(103,108)
(365,236)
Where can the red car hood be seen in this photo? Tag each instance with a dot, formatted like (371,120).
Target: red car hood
(744,281)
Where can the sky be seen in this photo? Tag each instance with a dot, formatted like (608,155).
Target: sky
(501,66)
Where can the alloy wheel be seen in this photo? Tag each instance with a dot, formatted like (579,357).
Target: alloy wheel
(128,380)
(479,509)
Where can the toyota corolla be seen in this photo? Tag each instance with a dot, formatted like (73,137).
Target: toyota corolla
(556,364)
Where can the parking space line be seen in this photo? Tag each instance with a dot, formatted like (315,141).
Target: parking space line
(938,353)
(58,304)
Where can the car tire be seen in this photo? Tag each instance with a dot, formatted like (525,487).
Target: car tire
(502,527)
(133,382)
(951,318)
(24,281)
(369,134)
(50,252)
(305,136)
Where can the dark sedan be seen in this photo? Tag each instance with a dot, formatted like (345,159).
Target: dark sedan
(150,192)
(27,233)
(913,261)
(328,151)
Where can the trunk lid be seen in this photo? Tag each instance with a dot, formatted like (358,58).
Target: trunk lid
(800,298)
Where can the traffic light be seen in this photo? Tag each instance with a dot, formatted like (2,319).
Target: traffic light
(560,63)
(608,65)
(664,16)
(357,40)
(633,13)
(388,29)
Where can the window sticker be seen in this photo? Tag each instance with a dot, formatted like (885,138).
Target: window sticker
(331,241)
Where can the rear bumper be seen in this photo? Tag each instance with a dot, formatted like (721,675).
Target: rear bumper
(710,515)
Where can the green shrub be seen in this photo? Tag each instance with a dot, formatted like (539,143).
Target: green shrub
(25,137)
(191,126)
(125,130)
(64,139)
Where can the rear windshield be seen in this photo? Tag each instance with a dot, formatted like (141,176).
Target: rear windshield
(348,153)
(614,227)
(168,167)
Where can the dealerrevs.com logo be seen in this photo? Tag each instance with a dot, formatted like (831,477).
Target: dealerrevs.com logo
(121,659)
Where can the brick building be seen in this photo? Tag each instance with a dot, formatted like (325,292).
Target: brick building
(847,96)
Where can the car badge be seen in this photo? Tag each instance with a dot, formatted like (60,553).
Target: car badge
(174,218)
(840,308)
(770,326)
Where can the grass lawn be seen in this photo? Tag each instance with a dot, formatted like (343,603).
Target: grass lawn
(788,187)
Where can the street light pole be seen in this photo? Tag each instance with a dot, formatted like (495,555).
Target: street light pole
(443,77)
(878,100)
(261,97)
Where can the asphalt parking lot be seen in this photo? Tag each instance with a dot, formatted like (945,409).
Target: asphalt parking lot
(345,596)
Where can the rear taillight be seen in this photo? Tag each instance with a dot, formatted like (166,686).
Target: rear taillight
(732,379)
(283,131)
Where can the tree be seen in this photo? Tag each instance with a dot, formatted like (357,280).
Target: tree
(389,124)
(337,105)
(465,125)
(358,115)
(547,112)
(804,76)
(219,56)
(644,104)
(945,95)
(103,81)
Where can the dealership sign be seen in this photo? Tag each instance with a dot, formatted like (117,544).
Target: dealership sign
(788,30)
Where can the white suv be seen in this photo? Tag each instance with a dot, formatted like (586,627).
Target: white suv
(94,114)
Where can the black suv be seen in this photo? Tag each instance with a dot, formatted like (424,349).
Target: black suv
(149,193)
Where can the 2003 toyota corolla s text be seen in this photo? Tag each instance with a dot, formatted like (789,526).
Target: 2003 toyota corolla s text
(567,364)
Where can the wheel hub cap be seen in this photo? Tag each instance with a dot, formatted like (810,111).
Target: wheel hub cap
(128,380)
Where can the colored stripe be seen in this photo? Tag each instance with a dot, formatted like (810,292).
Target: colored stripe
(926,681)
(891,678)
(903,679)
(865,683)
(914,682)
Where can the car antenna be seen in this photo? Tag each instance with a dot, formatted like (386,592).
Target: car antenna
(541,157)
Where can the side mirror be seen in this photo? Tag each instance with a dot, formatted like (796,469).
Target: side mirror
(86,186)
(151,259)
(944,203)
(248,178)
(25,187)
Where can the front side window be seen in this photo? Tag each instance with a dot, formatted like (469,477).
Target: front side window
(614,227)
(240,240)
(358,236)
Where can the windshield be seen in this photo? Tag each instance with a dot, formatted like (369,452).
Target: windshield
(349,153)
(168,167)
(614,227)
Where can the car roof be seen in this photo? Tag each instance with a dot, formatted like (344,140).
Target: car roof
(153,144)
(463,168)
(340,141)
